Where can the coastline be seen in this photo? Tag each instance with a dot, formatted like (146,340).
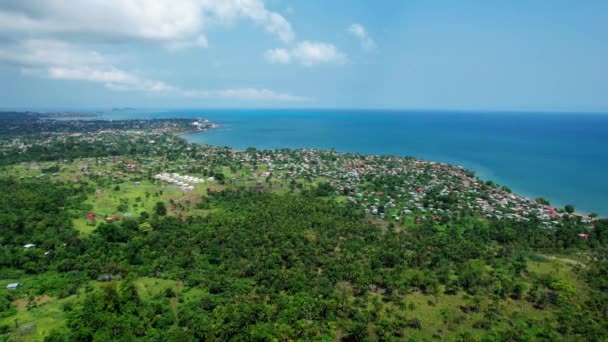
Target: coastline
(556,205)
(192,131)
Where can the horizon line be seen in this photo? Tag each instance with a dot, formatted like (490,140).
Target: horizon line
(390,109)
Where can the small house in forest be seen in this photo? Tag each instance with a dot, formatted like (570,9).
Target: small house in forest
(12,286)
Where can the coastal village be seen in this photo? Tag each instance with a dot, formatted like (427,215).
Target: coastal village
(141,172)
(401,190)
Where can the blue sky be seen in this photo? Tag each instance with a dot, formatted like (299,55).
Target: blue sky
(494,55)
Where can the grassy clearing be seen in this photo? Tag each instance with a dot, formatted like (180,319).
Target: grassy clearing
(83,227)
(548,267)
(47,315)
(561,271)
(149,287)
(443,318)
(556,267)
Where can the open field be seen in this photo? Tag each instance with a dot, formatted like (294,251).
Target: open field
(134,192)
(47,313)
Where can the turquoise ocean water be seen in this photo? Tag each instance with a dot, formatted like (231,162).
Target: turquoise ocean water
(560,156)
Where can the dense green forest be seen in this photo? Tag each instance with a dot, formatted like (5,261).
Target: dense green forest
(294,266)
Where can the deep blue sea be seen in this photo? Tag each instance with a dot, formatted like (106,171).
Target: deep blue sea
(560,156)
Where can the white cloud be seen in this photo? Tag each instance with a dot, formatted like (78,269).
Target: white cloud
(62,61)
(51,52)
(280,56)
(38,32)
(308,53)
(312,53)
(109,76)
(176,23)
(361,33)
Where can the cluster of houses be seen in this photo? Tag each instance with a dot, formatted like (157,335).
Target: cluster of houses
(203,124)
(180,180)
(391,187)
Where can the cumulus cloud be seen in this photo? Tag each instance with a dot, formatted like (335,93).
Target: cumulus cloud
(308,53)
(362,35)
(312,53)
(280,56)
(62,61)
(176,23)
(59,39)
(49,51)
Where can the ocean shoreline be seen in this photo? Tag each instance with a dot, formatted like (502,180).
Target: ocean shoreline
(478,175)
